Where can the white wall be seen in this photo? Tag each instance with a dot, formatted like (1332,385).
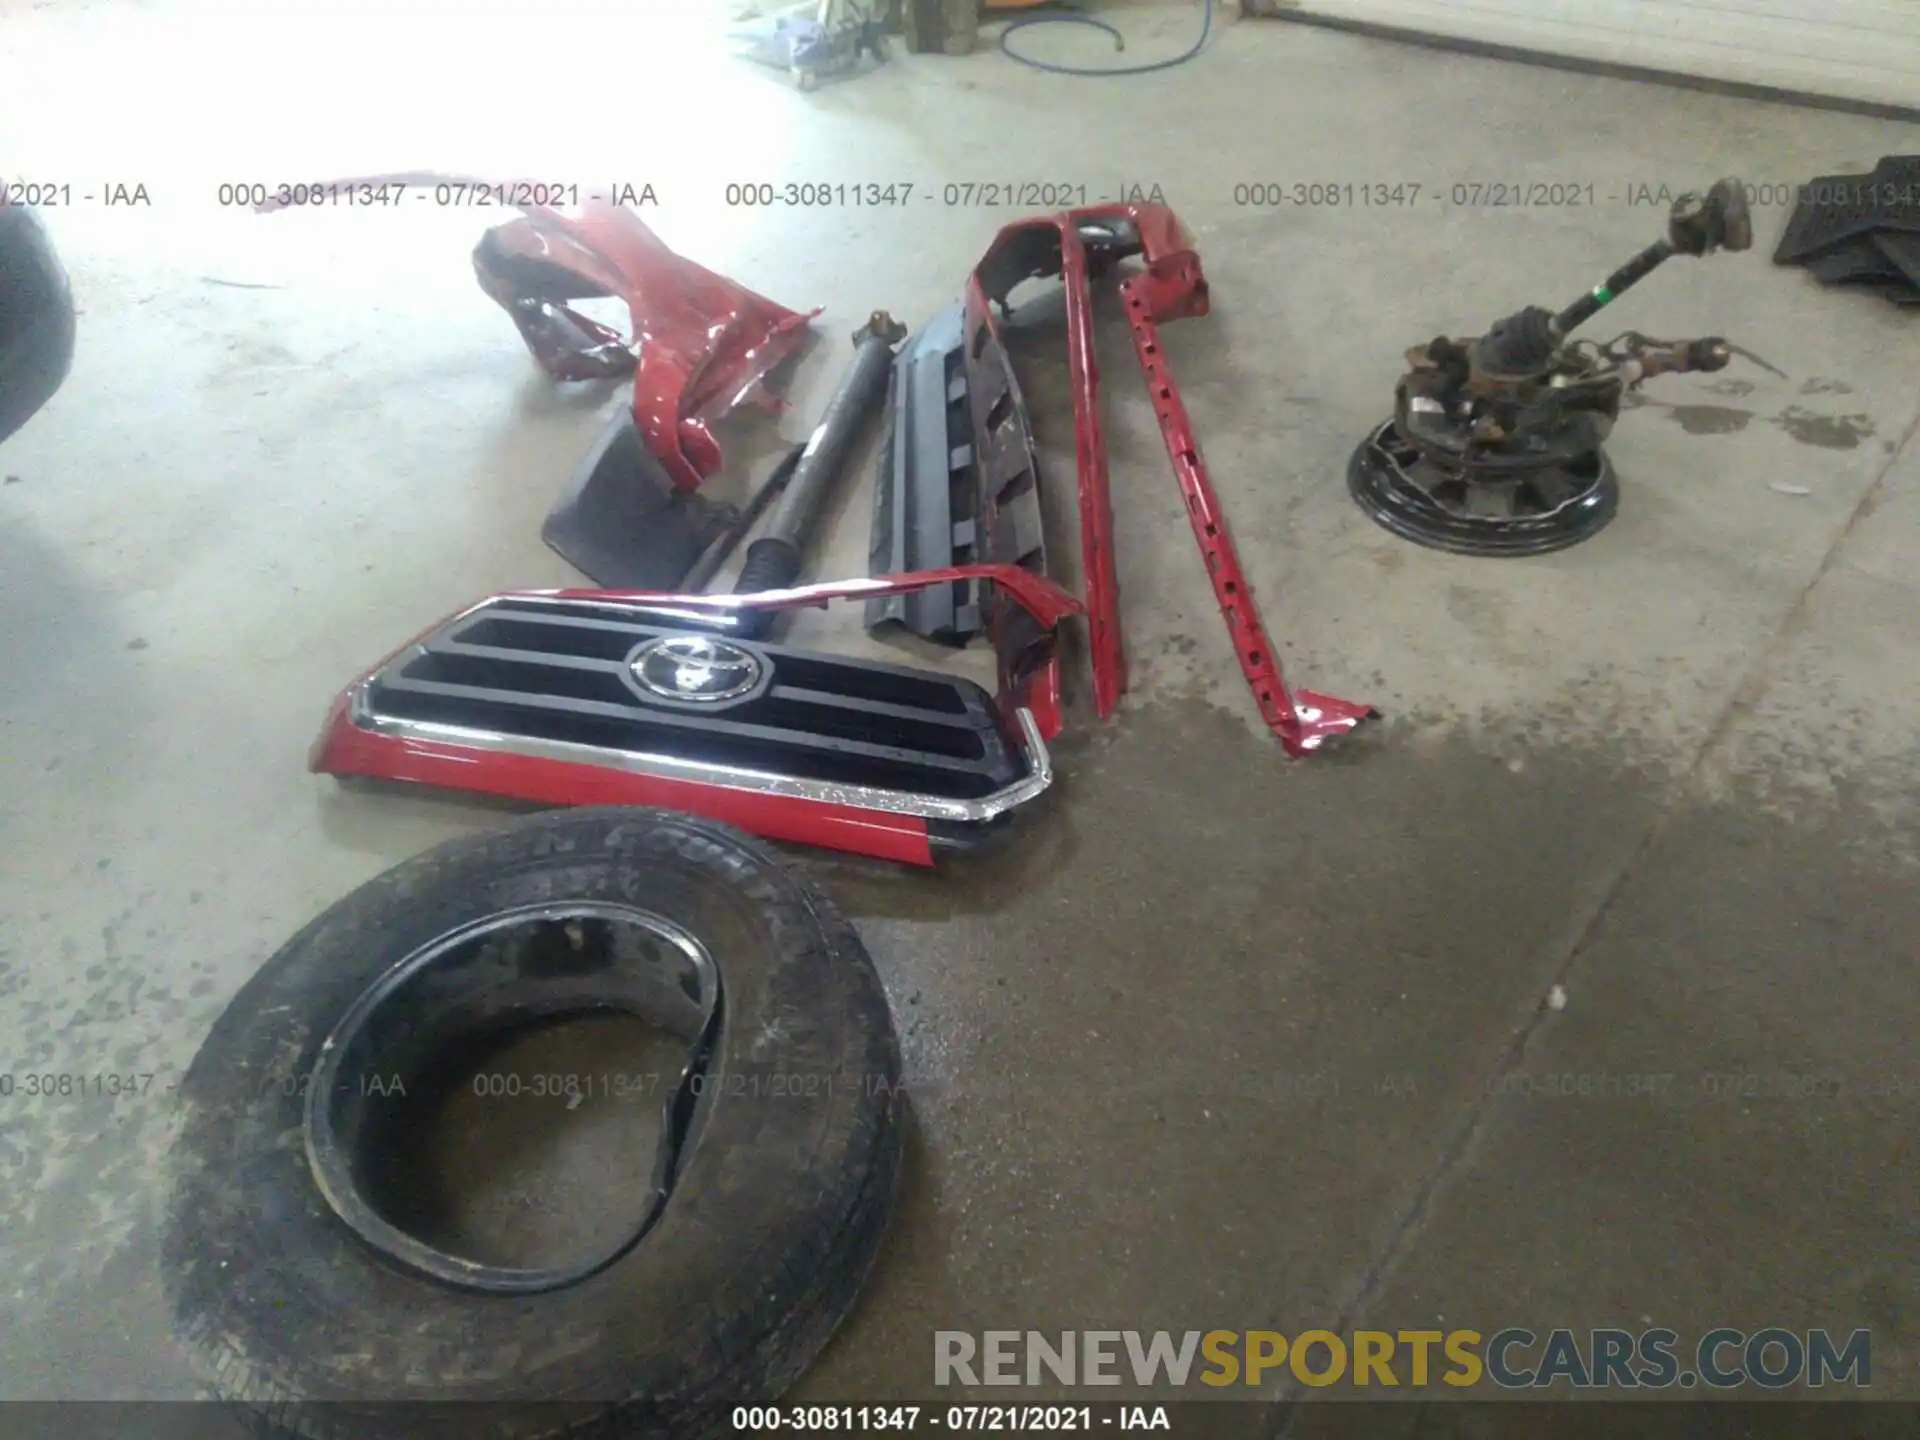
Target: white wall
(1859,50)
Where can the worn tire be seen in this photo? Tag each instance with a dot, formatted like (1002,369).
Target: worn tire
(36,318)
(758,1255)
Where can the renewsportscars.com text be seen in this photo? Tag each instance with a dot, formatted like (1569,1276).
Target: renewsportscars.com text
(1510,1359)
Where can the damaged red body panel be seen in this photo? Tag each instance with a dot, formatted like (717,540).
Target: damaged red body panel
(581,717)
(358,738)
(1040,248)
(1172,288)
(699,344)
(1076,245)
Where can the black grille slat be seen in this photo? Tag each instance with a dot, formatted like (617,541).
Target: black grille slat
(494,673)
(589,640)
(591,726)
(560,677)
(946,718)
(884,684)
(519,655)
(652,728)
(809,712)
(538,668)
(559,672)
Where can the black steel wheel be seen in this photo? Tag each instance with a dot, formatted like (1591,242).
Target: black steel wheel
(1534,512)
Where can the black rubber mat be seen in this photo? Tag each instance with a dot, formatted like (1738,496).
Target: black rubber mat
(1854,261)
(621,522)
(1904,251)
(1837,208)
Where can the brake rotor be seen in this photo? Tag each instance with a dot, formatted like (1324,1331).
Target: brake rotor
(1535,511)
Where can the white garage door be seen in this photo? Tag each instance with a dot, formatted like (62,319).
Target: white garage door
(1859,50)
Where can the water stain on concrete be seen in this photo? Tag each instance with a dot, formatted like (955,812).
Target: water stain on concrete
(1731,387)
(1483,614)
(1709,419)
(1830,432)
(1818,386)
(1696,419)
(1388,560)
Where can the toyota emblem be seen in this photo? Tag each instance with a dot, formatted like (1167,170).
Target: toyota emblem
(695,668)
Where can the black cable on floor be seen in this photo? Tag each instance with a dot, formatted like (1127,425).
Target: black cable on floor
(1119,43)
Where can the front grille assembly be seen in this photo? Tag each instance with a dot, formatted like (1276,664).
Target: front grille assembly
(561,677)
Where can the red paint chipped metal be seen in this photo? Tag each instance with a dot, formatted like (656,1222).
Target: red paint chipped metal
(699,345)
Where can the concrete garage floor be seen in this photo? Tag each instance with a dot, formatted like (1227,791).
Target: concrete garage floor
(1223,1041)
